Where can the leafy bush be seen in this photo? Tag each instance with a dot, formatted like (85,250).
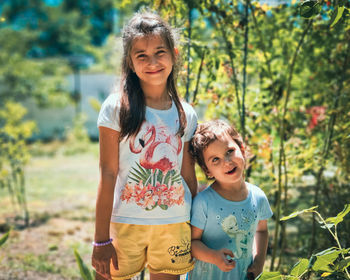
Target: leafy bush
(331,263)
(14,152)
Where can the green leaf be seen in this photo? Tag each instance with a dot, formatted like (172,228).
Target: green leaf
(145,172)
(4,238)
(275,275)
(135,177)
(310,8)
(160,175)
(324,259)
(339,218)
(344,263)
(150,209)
(84,270)
(167,177)
(140,174)
(294,214)
(163,206)
(337,14)
(300,267)
(176,178)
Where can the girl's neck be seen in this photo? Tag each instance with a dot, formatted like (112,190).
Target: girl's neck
(233,193)
(157,97)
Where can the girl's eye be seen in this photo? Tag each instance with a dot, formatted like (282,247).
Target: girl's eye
(141,56)
(160,52)
(230,151)
(215,160)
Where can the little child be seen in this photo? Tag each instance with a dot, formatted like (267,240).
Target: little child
(231,214)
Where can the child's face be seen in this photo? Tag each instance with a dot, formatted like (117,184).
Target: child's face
(151,60)
(224,161)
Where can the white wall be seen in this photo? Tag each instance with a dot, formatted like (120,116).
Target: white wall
(53,122)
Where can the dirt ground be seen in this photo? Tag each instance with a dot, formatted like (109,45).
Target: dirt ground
(46,250)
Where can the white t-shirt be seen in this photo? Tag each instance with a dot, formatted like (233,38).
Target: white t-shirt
(149,188)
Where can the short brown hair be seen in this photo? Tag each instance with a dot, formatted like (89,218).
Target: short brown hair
(208,132)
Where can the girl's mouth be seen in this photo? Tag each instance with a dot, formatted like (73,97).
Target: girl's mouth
(232,171)
(154,72)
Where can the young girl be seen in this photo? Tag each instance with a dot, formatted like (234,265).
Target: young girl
(228,215)
(145,164)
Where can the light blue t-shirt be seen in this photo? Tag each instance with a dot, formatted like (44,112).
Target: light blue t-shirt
(228,224)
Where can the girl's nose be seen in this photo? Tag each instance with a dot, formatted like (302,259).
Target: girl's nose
(152,60)
(227,159)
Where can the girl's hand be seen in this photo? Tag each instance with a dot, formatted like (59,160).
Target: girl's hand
(222,261)
(255,268)
(101,260)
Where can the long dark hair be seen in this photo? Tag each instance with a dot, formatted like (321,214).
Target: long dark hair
(133,108)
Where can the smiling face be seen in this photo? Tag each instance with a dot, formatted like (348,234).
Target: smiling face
(224,161)
(151,60)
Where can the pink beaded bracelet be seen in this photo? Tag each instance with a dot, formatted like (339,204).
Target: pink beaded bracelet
(99,244)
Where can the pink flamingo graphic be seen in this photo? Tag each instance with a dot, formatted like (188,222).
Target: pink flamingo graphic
(160,149)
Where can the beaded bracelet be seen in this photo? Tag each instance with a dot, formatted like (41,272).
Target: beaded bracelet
(99,244)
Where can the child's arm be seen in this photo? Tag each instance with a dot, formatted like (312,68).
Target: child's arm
(187,170)
(109,158)
(218,257)
(261,239)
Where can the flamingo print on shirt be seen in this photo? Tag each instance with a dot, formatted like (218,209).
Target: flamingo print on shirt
(155,181)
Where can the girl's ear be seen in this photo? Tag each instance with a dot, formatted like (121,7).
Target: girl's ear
(208,174)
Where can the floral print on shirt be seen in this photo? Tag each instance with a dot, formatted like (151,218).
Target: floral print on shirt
(154,181)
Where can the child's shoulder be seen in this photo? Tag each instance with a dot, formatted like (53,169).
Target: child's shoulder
(111,103)
(188,108)
(257,191)
(204,194)
(113,98)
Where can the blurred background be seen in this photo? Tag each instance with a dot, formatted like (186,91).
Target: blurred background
(277,69)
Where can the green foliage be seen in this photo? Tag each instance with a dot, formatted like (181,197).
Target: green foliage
(95,104)
(63,29)
(334,221)
(297,213)
(310,8)
(14,152)
(85,272)
(332,261)
(270,276)
(299,268)
(77,136)
(21,77)
(4,238)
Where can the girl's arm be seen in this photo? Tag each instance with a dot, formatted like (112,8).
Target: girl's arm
(261,240)
(218,257)
(109,165)
(187,170)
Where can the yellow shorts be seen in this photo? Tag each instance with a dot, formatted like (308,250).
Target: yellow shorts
(163,248)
